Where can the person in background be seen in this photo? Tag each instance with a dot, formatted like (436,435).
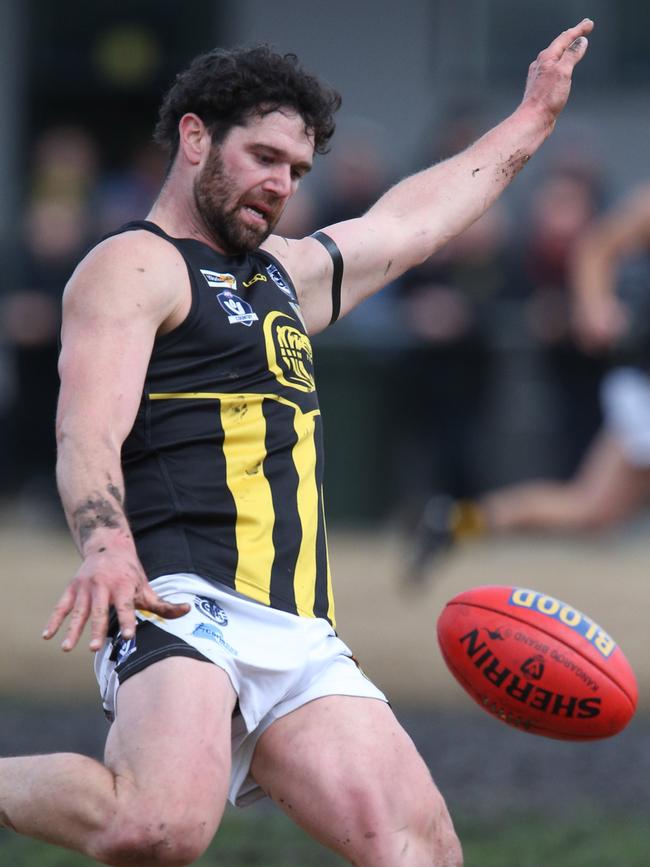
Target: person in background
(612,482)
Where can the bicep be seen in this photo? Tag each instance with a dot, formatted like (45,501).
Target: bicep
(102,367)
(364,256)
(112,309)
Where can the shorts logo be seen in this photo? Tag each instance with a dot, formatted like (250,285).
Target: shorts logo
(125,649)
(216,279)
(211,609)
(279,280)
(212,633)
(239,311)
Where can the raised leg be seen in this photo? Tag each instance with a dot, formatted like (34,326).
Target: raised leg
(160,794)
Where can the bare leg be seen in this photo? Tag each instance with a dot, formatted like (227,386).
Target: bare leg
(607,489)
(160,795)
(344,770)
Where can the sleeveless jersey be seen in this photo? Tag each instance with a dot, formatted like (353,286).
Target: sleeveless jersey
(223,467)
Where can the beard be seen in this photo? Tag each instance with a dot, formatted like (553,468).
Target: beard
(214,191)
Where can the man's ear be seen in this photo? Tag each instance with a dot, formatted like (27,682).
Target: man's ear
(194,138)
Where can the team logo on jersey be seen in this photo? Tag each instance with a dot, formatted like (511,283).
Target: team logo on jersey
(239,311)
(212,633)
(216,279)
(288,351)
(254,279)
(278,279)
(212,609)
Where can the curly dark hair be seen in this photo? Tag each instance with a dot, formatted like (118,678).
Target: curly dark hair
(225,87)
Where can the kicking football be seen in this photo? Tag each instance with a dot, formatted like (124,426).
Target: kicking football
(537,663)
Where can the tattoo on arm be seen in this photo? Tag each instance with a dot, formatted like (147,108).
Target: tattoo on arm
(95,512)
(115,492)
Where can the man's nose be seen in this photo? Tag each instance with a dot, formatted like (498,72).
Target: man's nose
(279,182)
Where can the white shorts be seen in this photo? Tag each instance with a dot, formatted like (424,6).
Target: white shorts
(276,661)
(626,406)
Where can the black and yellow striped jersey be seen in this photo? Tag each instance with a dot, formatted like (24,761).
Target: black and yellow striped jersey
(223,467)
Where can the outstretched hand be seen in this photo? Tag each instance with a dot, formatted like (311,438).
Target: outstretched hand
(107,579)
(549,76)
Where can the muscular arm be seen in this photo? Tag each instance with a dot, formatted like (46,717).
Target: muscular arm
(599,317)
(421,213)
(116,301)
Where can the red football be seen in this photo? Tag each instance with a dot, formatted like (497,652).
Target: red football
(537,663)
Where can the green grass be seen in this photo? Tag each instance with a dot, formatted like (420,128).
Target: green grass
(265,838)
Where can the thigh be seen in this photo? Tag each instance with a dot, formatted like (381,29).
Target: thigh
(170,744)
(345,770)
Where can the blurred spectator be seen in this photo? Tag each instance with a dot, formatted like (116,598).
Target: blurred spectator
(561,208)
(446,305)
(127,193)
(55,233)
(613,479)
(357,173)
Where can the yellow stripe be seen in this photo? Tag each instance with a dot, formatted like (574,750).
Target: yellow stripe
(304,459)
(244,429)
(218,395)
(331,612)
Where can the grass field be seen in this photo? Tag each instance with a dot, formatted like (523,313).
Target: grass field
(266,839)
(535,790)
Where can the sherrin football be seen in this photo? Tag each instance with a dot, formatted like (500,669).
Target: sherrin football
(537,663)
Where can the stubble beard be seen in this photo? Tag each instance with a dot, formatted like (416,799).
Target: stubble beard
(213,191)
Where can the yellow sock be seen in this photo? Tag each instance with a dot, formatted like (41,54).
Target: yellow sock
(467,520)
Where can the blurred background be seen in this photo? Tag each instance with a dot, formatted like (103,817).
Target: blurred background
(462,376)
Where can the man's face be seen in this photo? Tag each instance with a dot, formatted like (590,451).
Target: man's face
(248,179)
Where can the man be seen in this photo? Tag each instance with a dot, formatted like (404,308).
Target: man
(613,479)
(187,393)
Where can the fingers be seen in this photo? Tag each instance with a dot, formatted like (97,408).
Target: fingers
(125,611)
(572,38)
(61,610)
(98,620)
(77,621)
(167,610)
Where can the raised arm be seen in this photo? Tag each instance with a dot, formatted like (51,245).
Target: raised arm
(114,304)
(421,213)
(600,318)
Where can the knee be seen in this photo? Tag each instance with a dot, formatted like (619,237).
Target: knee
(153,842)
(423,833)
(435,835)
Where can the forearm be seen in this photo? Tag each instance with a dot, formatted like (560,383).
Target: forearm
(91,486)
(440,202)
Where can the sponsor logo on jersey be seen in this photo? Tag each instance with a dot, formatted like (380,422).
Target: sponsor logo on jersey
(239,311)
(580,623)
(278,279)
(212,609)
(254,279)
(210,632)
(216,279)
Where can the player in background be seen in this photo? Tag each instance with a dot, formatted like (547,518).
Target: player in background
(153,404)
(613,479)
